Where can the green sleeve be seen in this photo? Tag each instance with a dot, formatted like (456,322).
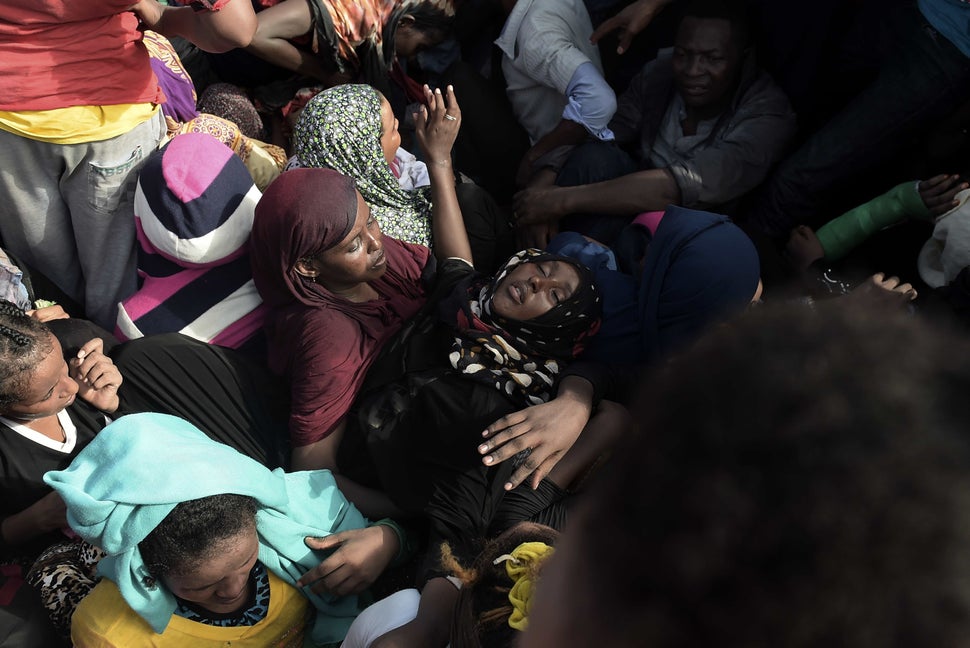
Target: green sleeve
(840,235)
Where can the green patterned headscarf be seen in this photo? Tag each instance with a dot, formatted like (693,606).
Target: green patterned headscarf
(340,129)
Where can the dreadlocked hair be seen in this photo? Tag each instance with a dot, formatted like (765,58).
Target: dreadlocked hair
(481,618)
(24,342)
(192,531)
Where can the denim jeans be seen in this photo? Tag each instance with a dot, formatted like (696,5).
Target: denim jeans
(591,162)
(924,78)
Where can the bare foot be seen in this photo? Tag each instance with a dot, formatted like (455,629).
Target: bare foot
(881,290)
(803,248)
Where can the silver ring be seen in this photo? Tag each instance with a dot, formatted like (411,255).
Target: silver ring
(451,118)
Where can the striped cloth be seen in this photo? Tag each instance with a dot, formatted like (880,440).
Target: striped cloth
(194,206)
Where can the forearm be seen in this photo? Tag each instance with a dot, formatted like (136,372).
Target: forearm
(213,31)
(447,226)
(319,455)
(565,133)
(578,390)
(281,52)
(21,527)
(435,611)
(634,193)
(371,502)
(603,430)
(840,235)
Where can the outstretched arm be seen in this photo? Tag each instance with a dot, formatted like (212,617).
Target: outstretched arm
(648,190)
(436,127)
(229,27)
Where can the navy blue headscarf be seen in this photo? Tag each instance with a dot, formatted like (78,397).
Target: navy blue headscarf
(700,268)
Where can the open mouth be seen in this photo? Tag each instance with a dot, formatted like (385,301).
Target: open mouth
(693,91)
(381,260)
(515,292)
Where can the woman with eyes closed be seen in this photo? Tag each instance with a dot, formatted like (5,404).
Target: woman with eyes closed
(340,291)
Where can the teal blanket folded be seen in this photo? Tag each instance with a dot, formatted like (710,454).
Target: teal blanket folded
(122,485)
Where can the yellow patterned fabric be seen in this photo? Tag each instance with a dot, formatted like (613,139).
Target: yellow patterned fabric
(264,161)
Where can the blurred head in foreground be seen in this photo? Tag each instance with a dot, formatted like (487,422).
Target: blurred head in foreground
(802,479)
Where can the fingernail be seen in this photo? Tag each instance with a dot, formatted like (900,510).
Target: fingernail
(483,448)
(437,90)
(488,460)
(451,88)
(508,486)
(81,354)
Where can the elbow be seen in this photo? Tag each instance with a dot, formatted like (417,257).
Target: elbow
(230,30)
(230,40)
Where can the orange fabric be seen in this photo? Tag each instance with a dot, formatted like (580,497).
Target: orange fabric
(61,53)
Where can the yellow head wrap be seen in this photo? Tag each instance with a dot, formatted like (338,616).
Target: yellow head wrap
(522,566)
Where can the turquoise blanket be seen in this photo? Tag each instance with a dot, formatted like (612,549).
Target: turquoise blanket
(122,485)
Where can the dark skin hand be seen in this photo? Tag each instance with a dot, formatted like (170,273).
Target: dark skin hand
(359,556)
(629,22)
(939,193)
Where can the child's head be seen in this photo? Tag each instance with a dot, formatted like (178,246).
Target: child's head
(33,375)
(497,589)
(205,549)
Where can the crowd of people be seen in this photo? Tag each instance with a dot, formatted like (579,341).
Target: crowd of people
(370,323)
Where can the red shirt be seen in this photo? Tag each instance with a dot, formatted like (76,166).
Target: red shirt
(61,53)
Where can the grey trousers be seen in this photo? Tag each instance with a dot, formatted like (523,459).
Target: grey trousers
(67,210)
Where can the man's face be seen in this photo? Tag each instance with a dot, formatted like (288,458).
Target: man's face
(706,63)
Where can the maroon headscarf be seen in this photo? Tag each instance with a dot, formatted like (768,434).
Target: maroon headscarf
(303,213)
(323,343)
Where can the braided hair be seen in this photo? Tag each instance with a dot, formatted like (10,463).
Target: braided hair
(482,613)
(24,342)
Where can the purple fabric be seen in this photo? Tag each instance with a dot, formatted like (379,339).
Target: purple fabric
(180,100)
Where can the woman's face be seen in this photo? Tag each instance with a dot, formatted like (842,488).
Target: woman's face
(390,137)
(533,289)
(50,389)
(220,583)
(358,258)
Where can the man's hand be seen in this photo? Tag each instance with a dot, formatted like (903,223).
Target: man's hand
(630,21)
(538,205)
(536,236)
(939,193)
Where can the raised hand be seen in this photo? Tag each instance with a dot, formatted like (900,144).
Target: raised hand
(436,125)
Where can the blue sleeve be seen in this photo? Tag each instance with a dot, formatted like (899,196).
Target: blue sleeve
(590,101)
